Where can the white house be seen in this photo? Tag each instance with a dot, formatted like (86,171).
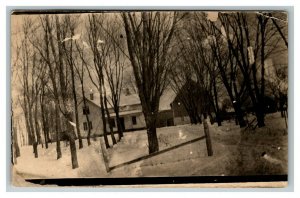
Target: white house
(131,115)
(93,112)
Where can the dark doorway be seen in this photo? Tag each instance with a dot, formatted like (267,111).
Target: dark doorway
(122,122)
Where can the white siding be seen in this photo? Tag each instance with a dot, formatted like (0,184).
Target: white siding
(140,122)
(94,117)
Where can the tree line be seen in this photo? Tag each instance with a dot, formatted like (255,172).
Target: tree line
(212,55)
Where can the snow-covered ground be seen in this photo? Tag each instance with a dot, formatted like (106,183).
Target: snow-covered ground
(91,164)
(236,152)
(134,144)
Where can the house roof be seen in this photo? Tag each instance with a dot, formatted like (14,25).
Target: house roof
(166,99)
(128,100)
(133,99)
(122,113)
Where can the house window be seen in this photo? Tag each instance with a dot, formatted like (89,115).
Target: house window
(91,125)
(85,110)
(85,127)
(133,120)
(91,96)
(112,122)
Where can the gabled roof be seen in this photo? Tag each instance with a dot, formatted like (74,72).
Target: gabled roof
(166,99)
(133,99)
(128,100)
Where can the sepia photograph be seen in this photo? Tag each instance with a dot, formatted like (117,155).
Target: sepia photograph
(148,97)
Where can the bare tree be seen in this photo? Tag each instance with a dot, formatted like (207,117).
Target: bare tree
(29,81)
(52,63)
(15,149)
(65,87)
(68,48)
(80,70)
(252,38)
(209,43)
(114,69)
(44,110)
(51,51)
(280,22)
(149,36)
(100,51)
(278,84)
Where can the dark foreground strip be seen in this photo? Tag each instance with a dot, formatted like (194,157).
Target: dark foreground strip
(156,153)
(158,180)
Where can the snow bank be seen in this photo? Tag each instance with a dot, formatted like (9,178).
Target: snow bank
(236,152)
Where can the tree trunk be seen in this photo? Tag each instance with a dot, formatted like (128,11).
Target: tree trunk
(88,138)
(77,125)
(193,119)
(57,128)
(15,142)
(37,127)
(46,139)
(35,151)
(73,151)
(13,134)
(44,121)
(27,125)
(104,156)
(239,114)
(199,118)
(75,100)
(59,65)
(103,121)
(237,106)
(71,136)
(188,106)
(281,104)
(34,144)
(261,105)
(260,115)
(192,113)
(108,118)
(218,118)
(48,134)
(247,77)
(234,100)
(51,119)
(77,121)
(207,138)
(151,134)
(89,127)
(119,126)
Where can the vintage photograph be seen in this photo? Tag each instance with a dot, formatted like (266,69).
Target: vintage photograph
(149,94)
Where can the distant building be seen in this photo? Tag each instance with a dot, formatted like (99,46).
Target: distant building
(131,114)
(166,114)
(187,97)
(180,115)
